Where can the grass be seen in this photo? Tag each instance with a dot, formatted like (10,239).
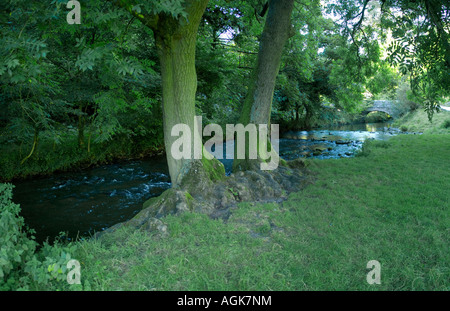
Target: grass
(391,204)
(417,121)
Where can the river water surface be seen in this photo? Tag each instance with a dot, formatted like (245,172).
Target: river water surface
(86,201)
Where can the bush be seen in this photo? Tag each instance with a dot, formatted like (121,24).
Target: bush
(403,128)
(405,99)
(446,124)
(17,247)
(21,266)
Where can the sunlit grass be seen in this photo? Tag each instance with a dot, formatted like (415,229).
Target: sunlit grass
(417,121)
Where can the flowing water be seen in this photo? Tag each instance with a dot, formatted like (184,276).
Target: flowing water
(86,201)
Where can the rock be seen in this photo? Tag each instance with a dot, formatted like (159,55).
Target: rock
(342,142)
(297,163)
(320,148)
(304,154)
(222,196)
(156,225)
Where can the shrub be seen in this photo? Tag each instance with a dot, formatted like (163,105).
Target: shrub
(403,128)
(21,266)
(17,247)
(446,124)
(405,99)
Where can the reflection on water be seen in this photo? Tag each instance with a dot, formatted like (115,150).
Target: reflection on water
(86,201)
(334,142)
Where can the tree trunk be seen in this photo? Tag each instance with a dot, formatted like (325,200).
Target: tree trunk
(258,103)
(81,123)
(179,84)
(308,117)
(176,43)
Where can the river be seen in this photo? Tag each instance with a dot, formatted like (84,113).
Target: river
(83,202)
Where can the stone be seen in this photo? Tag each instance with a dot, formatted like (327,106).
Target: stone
(217,199)
(156,225)
(342,142)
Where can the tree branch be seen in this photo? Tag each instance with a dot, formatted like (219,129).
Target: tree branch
(149,20)
(362,13)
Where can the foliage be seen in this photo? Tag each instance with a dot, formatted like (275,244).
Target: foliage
(24,266)
(55,77)
(384,84)
(446,124)
(73,96)
(419,47)
(377,116)
(17,246)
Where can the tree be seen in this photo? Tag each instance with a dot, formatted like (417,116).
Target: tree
(175,26)
(420,47)
(258,102)
(55,75)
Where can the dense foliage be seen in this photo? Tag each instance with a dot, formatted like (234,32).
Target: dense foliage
(22,267)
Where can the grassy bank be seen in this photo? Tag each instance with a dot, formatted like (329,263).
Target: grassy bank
(417,121)
(390,204)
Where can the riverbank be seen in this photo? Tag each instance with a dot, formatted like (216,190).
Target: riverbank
(329,117)
(390,204)
(67,155)
(417,121)
(17,163)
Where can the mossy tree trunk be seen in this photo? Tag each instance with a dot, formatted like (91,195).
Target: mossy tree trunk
(176,48)
(258,103)
(176,42)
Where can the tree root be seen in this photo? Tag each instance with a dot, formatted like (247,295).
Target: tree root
(217,199)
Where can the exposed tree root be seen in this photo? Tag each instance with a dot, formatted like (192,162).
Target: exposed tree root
(200,194)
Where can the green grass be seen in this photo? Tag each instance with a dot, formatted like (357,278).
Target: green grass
(417,121)
(391,204)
